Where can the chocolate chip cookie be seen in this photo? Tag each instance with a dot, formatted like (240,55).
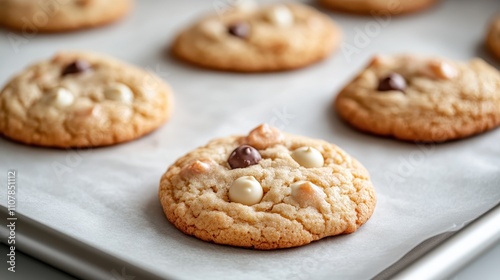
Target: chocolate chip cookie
(267,190)
(246,38)
(422,99)
(371,7)
(82,99)
(493,37)
(36,16)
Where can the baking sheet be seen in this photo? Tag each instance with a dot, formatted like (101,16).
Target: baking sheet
(107,197)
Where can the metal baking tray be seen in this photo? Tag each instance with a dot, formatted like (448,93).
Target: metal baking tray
(437,258)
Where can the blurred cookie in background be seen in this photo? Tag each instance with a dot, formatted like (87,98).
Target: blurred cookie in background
(423,99)
(493,37)
(369,7)
(249,38)
(33,16)
(82,99)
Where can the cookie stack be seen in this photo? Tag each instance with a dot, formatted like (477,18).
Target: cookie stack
(266,189)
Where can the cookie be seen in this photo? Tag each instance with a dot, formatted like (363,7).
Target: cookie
(82,99)
(267,190)
(493,37)
(422,99)
(370,7)
(247,38)
(34,16)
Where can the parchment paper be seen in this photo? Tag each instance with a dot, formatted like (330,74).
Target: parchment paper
(107,197)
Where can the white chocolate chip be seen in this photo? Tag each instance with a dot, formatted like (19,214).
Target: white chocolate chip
(119,92)
(308,157)
(307,194)
(246,190)
(280,16)
(63,98)
(246,5)
(213,29)
(59,97)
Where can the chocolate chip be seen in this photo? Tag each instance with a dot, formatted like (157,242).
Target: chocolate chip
(392,82)
(239,29)
(78,66)
(244,156)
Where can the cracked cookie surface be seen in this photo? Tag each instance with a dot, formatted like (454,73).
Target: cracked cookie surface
(259,39)
(33,16)
(296,204)
(82,99)
(493,37)
(422,99)
(370,7)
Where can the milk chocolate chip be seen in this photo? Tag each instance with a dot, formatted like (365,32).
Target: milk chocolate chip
(392,82)
(244,156)
(78,66)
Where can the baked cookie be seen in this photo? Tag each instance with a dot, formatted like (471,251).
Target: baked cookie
(493,37)
(369,7)
(267,190)
(422,99)
(246,38)
(33,16)
(81,99)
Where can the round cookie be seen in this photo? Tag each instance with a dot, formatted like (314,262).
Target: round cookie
(252,39)
(493,37)
(422,99)
(267,190)
(369,7)
(82,99)
(33,16)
